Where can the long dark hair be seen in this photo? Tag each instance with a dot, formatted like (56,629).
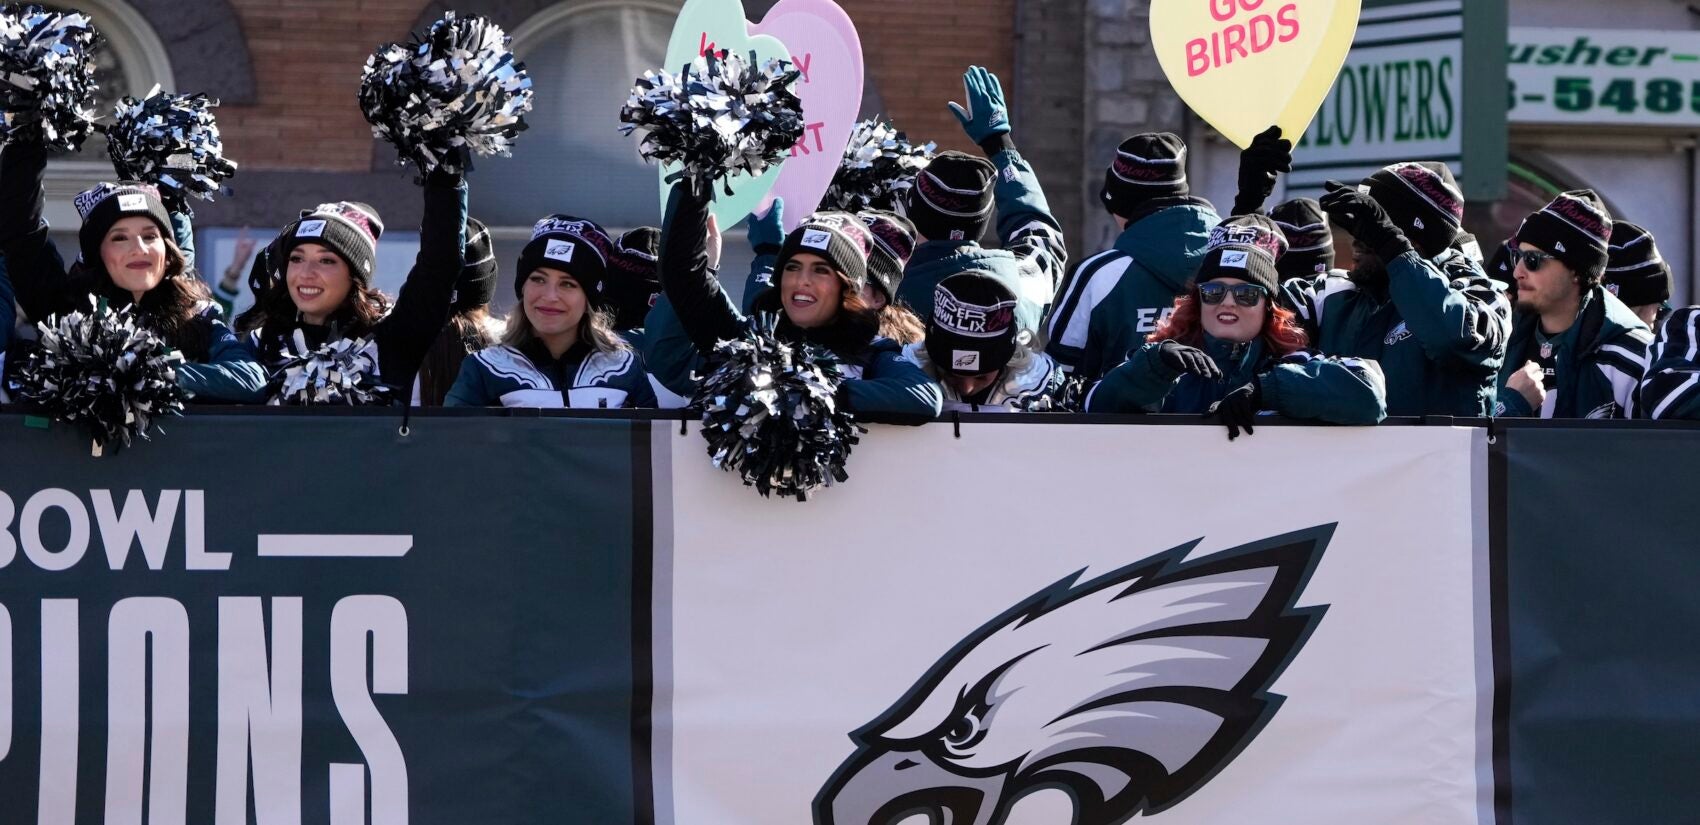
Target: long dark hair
(274,313)
(466,332)
(172,309)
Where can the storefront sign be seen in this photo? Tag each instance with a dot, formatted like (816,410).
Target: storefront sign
(1604,77)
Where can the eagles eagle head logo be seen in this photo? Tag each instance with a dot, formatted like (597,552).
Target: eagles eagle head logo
(1128,691)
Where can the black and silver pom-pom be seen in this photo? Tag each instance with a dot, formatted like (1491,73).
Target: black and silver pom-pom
(341,372)
(102,368)
(170,141)
(458,87)
(770,413)
(879,164)
(720,116)
(46,75)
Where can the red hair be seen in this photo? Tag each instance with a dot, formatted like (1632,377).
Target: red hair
(1281,334)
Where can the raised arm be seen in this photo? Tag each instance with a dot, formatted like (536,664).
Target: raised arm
(701,304)
(33,264)
(423,305)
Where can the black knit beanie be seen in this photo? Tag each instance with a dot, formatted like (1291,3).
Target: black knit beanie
(893,244)
(839,237)
(1635,272)
(973,328)
(575,246)
(1247,247)
(1152,165)
(1574,228)
(1500,268)
(1424,202)
(107,203)
(348,228)
(952,198)
(1310,244)
(634,279)
(479,271)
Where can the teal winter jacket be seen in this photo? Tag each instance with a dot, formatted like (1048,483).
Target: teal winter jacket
(1112,300)
(695,313)
(1438,329)
(1031,261)
(1302,385)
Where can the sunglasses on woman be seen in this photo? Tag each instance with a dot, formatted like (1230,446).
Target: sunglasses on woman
(1532,259)
(1246,295)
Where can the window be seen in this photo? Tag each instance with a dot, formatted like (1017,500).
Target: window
(582,58)
(129,61)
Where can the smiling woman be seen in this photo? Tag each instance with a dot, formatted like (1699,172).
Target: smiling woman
(127,257)
(1230,352)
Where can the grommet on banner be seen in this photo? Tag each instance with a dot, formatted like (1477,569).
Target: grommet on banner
(403,431)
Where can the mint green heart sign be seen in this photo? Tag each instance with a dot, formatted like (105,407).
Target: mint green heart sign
(719,25)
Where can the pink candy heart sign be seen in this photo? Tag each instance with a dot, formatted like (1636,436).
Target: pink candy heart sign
(826,49)
(821,42)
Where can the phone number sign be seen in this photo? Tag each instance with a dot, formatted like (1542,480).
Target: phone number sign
(1604,77)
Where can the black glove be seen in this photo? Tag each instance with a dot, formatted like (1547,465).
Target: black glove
(1267,156)
(1238,408)
(1360,215)
(1182,358)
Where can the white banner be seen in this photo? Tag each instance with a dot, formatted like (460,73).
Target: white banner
(1035,624)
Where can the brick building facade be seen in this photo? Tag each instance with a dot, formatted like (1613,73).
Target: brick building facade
(1079,74)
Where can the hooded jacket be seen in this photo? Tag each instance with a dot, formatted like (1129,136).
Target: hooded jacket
(1671,389)
(224,371)
(695,314)
(1114,299)
(1031,261)
(1303,385)
(1438,329)
(1600,362)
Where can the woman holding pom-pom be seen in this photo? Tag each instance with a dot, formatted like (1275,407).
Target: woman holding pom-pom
(560,348)
(127,258)
(822,268)
(319,288)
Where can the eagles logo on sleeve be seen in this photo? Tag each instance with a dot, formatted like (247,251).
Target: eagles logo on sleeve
(1128,692)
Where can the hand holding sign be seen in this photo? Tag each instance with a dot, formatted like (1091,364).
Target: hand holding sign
(1244,64)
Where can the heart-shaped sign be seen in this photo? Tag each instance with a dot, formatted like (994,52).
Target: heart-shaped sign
(825,48)
(1245,64)
(718,25)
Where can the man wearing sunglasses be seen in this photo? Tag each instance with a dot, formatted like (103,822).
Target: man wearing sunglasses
(1576,350)
(1229,352)
(1416,301)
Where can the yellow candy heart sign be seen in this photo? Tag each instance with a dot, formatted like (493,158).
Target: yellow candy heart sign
(1245,64)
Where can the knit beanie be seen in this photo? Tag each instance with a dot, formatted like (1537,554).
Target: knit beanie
(107,203)
(347,228)
(477,282)
(1246,247)
(1635,272)
(1310,244)
(973,328)
(575,246)
(1500,268)
(1152,165)
(634,278)
(1576,229)
(893,239)
(1423,200)
(839,237)
(952,197)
